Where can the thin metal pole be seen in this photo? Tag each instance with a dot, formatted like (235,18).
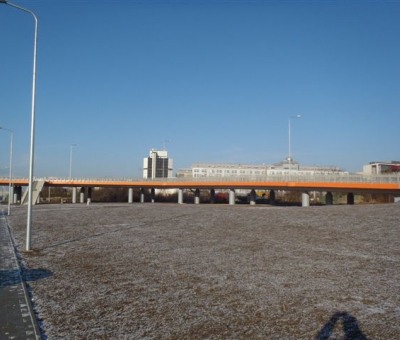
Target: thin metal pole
(290,156)
(165,141)
(11,157)
(70,161)
(10,184)
(32,145)
(289,151)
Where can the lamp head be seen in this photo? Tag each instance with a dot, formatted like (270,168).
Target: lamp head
(3,1)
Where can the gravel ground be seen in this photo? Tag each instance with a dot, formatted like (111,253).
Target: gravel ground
(169,271)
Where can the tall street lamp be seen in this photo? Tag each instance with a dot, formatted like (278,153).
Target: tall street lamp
(166,141)
(32,147)
(290,157)
(11,156)
(70,161)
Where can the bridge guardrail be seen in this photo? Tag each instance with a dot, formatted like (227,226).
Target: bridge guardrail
(344,178)
(265,178)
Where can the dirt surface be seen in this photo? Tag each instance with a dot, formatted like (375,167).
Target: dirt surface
(169,271)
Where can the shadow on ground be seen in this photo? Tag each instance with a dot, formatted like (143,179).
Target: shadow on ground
(14,276)
(350,328)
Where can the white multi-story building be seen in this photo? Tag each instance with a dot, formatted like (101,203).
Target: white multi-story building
(240,170)
(227,170)
(157,165)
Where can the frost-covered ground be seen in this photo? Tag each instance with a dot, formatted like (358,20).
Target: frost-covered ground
(169,271)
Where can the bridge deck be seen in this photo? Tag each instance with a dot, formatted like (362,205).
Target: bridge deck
(359,184)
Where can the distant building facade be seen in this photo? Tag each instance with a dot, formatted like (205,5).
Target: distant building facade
(184,172)
(228,170)
(378,168)
(157,165)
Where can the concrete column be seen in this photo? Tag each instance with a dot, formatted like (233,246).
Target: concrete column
(180,196)
(212,196)
(38,199)
(89,195)
(197,196)
(305,199)
(153,195)
(141,195)
(130,195)
(272,200)
(328,198)
(82,195)
(350,198)
(232,196)
(252,197)
(74,190)
(17,194)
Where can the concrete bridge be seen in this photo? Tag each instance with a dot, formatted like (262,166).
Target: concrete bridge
(347,183)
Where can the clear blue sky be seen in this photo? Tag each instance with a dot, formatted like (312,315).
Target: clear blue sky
(218,78)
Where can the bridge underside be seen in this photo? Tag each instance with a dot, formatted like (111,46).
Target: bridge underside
(289,186)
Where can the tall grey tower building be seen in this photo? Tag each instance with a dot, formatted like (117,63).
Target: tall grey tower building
(157,165)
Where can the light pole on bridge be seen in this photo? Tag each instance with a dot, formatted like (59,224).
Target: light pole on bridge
(164,149)
(70,160)
(290,156)
(32,141)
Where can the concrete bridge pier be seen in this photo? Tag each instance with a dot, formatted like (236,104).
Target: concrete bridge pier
(89,195)
(197,196)
(350,198)
(232,196)
(130,195)
(180,196)
(16,194)
(252,197)
(82,195)
(74,191)
(272,200)
(212,196)
(141,195)
(328,198)
(305,199)
(13,196)
(153,195)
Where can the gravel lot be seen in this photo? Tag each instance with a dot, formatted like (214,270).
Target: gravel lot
(169,271)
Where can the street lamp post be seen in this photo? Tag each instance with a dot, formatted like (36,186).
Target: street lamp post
(290,157)
(70,161)
(166,141)
(32,147)
(11,157)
